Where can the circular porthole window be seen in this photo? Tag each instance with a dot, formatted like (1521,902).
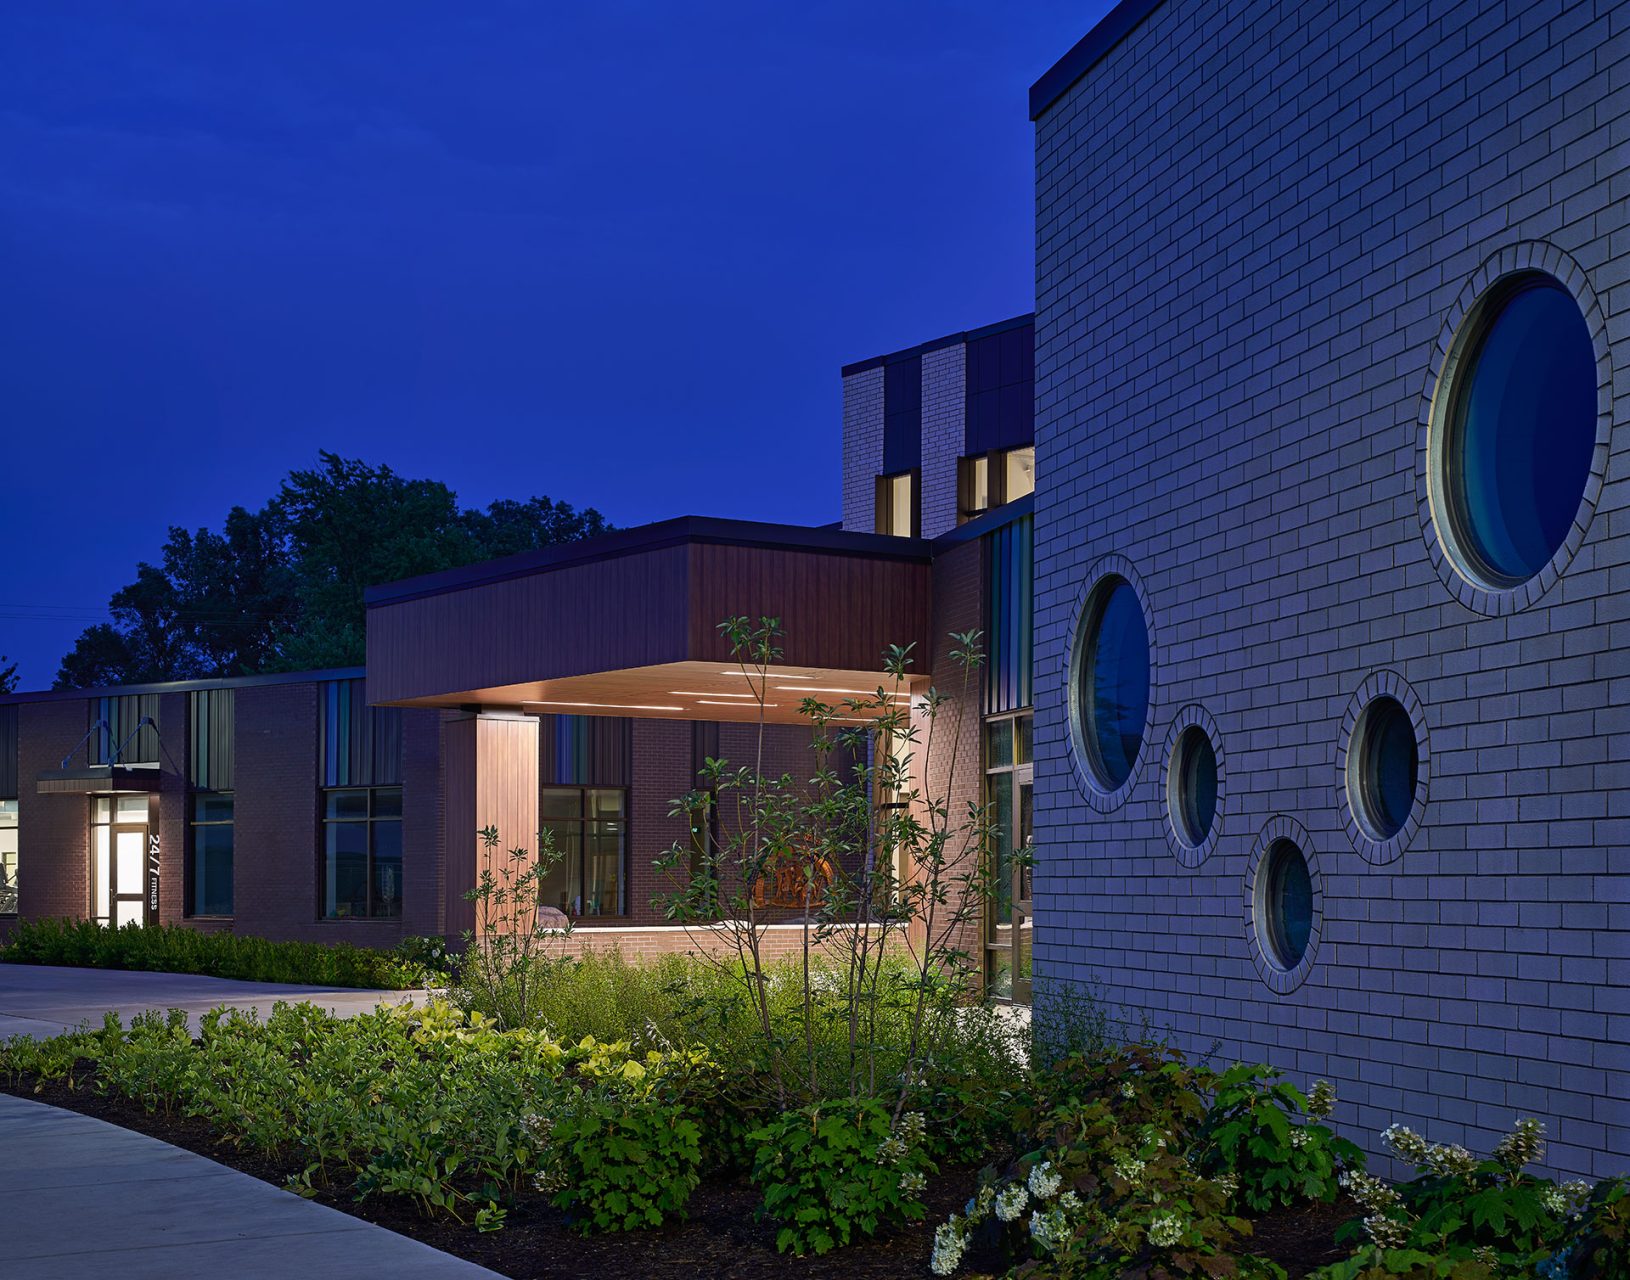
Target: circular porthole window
(1515,431)
(1383,759)
(1191,786)
(1285,904)
(1111,692)
(1383,767)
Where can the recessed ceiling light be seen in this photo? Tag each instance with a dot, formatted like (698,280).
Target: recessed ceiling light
(611,706)
(708,702)
(705,693)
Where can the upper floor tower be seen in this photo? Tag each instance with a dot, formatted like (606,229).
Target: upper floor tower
(941,432)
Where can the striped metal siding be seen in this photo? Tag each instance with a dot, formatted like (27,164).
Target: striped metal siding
(1009,558)
(361,745)
(122,713)
(586,751)
(211,731)
(8,753)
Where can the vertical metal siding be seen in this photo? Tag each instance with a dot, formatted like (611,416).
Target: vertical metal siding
(1009,562)
(211,716)
(8,753)
(361,745)
(586,751)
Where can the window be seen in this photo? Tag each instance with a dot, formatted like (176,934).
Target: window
(1112,682)
(992,479)
(1192,786)
(590,830)
(362,853)
(1383,768)
(1518,431)
(1008,793)
(8,857)
(119,860)
(897,510)
(209,866)
(1285,906)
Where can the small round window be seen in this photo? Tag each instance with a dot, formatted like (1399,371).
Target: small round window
(1285,908)
(1383,768)
(1518,431)
(1113,682)
(1192,786)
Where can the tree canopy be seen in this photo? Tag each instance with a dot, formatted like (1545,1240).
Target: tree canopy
(280,589)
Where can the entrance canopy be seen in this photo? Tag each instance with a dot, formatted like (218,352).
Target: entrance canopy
(628,624)
(100,780)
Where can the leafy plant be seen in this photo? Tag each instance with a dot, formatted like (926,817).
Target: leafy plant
(822,846)
(833,1171)
(507,955)
(84,944)
(1601,1245)
(1252,1131)
(1460,1217)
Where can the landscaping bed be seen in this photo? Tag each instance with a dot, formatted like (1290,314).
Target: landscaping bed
(723,1238)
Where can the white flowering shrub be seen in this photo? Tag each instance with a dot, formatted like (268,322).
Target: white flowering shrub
(1461,1217)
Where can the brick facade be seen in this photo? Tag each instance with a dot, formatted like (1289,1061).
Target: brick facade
(1255,226)
(862,447)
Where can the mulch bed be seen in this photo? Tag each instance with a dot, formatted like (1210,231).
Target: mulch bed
(723,1240)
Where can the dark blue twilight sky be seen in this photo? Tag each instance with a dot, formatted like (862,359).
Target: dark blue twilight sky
(610,252)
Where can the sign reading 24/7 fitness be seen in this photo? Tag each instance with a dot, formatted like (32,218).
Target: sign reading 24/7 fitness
(152,872)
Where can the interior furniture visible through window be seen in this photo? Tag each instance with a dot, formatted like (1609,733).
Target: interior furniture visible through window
(8,857)
(589,828)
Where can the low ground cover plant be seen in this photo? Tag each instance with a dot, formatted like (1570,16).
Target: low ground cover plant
(173,949)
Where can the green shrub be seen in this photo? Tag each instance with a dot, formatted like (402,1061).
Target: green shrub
(1460,1217)
(1252,1131)
(1601,1246)
(175,949)
(624,1148)
(838,1170)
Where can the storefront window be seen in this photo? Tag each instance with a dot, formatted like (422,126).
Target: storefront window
(209,889)
(590,831)
(1008,793)
(8,857)
(362,853)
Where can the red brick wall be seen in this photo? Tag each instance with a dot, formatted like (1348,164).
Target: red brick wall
(424,861)
(957,606)
(53,863)
(167,817)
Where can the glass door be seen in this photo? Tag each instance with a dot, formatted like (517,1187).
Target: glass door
(119,856)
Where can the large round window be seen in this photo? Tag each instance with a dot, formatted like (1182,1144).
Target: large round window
(1286,904)
(1383,767)
(1518,430)
(1113,682)
(1192,786)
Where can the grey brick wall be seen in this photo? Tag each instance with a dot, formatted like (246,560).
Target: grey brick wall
(945,416)
(1255,225)
(862,447)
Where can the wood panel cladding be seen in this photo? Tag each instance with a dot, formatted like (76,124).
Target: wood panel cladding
(491,768)
(641,608)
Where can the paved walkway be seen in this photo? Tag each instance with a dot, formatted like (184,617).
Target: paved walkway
(42,1000)
(85,1198)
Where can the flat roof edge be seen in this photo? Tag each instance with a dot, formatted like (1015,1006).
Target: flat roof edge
(1088,52)
(187,686)
(935,344)
(652,537)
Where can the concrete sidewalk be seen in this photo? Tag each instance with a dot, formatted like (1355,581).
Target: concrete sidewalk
(86,1198)
(43,1000)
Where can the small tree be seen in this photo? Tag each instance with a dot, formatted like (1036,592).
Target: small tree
(508,954)
(888,872)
